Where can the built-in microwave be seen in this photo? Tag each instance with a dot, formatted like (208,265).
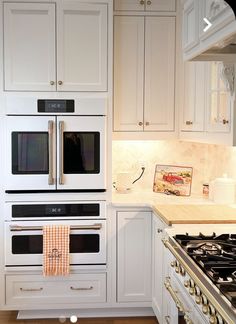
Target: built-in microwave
(55,149)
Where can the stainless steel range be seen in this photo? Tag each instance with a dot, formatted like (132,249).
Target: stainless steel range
(204,267)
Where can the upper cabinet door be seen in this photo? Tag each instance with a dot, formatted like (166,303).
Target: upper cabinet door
(128,73)
(29,46)
(194,96)
(82,46)
(136,5)
(160,5)
(148,5)
(190,24)
(159,73)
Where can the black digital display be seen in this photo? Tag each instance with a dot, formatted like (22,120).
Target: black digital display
(56,106)
(57,210)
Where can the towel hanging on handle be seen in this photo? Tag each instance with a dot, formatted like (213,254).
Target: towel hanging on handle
(56,257)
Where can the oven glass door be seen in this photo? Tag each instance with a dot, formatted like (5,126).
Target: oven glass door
(30,157)
(81,152)
(25,247)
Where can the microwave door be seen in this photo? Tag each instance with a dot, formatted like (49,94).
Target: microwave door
(81,153)
(30,153)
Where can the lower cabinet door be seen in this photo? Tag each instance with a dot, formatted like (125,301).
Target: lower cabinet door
(34,289)
(134,256)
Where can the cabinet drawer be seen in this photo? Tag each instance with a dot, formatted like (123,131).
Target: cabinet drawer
(34,289)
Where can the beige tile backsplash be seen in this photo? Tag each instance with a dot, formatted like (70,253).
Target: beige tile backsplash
(208,161)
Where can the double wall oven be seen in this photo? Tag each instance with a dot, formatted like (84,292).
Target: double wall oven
(55,151)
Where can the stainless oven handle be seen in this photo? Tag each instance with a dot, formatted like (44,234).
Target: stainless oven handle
(50,152)
(61,152)
(17,228)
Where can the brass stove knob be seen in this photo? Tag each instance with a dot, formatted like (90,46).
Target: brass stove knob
(192,283)
(213,319)
(191,291)
(198,300)
(197,291)
(182,271)
(177,269)
(205,309)
(186,283)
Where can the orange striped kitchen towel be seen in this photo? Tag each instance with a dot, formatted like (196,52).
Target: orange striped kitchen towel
(56,258)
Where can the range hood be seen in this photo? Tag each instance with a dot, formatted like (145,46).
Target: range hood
(224,49)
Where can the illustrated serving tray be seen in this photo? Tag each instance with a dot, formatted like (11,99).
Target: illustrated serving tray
(173,179)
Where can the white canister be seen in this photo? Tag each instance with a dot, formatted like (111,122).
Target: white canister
(222,190)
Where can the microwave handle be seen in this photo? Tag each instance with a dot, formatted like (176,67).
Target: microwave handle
(50,150)
(61,152)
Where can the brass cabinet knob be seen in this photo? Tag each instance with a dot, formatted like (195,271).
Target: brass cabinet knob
(52,82)
(140,124)
(149,2)
(60,82)
(188,122)
(225,121)
(142,2)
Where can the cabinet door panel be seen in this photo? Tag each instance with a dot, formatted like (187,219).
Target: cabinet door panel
(82,47)
(190,24)
(160,5)
(134,256)
(159,73)
(194,96)
(128,73)
(136,5)
(29,46)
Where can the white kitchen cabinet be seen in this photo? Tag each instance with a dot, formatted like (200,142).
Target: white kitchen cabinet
(145,5)
(190,24)
(33,61)
(158,271)
(29,290)
(219,101)
(144,75)
(193,100)
(134,256)
(198,40)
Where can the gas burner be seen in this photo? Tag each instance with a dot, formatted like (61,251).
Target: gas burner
(210,248)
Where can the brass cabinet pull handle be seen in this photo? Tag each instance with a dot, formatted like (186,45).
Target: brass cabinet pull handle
(52,82)
(50,152)
(188,122)
(225,121)
(147,123)
(167,319)
(173,295)
(140,124)
(82,288)
(159,230)
(31,289)
(60,82)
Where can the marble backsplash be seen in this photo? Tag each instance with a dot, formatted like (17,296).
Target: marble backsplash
(208,161)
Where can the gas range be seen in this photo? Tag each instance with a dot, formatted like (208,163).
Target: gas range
(205,265)
(216,256)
